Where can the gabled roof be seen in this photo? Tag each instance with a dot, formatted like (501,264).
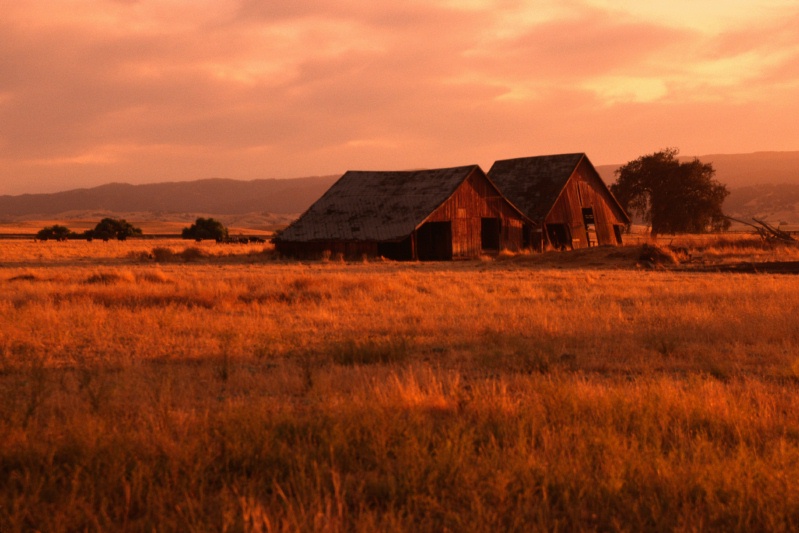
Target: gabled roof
(533,184)
(377,205)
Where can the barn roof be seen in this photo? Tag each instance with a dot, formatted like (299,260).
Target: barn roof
(377,205)
(534,183)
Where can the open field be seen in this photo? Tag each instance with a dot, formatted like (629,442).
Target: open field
(216,388)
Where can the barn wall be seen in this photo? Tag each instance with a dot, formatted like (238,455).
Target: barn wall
(463,213)
(474,200)
(583,190)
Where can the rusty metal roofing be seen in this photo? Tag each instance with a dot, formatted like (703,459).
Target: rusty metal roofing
(533,184)
(376,205)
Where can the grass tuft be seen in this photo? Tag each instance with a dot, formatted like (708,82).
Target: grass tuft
(349,352)
(109,278)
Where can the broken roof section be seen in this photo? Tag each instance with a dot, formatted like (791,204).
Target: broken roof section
(377,205)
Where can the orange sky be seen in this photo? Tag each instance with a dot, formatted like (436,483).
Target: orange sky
(94,91)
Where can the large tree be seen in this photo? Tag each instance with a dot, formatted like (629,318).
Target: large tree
(55,232)
(205,228)
(112,228)
(672,196)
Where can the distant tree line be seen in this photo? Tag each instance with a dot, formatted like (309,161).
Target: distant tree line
(121,229)
(106,229)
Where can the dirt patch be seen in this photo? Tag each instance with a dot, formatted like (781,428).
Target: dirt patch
(766,267)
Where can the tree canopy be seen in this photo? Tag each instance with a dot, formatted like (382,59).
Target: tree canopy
(205,228)
(55,232)
(672,196)
(112,228)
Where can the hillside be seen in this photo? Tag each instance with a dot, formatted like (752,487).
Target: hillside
(776,203)
(763,184)
(218,196)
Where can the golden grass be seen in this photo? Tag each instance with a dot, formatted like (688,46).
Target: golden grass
(239,392)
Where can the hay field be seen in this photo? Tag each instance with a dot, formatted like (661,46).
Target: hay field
(217,388)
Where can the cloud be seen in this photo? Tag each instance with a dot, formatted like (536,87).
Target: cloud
(143,90)
(590,43)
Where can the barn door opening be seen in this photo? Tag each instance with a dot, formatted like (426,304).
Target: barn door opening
(617,232)
(559,236)
(490,229)
(532,238)
(398,251)
(590,226)
(434,241)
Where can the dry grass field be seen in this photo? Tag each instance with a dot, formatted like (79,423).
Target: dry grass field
(172,387)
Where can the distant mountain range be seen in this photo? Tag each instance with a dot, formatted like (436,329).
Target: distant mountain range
(764,184)
(216,196)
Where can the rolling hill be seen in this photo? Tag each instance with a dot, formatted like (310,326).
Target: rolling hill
(763,184)
(217,196)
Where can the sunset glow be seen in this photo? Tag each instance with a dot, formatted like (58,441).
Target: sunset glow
(145,91)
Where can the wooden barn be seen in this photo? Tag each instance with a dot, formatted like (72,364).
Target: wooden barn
(565,195)
(441,214)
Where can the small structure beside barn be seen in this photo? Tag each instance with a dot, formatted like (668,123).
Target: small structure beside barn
(565,196)
(441,214)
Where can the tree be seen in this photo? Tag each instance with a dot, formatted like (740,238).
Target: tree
(54,232)
(205,228)
(673,197)
(112,228)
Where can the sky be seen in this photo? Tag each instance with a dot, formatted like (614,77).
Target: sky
(142,91)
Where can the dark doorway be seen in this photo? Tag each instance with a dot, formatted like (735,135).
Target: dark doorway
(489,234)
(398,251)
(590,226)
(434,241)
(559,236)
(532,238)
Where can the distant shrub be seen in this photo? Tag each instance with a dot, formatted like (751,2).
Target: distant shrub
(205,228)
(192,254)
(162,254)
(54,233)
(112,228)
(653,254)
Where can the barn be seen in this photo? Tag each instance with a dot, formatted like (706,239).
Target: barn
(565,195)
(439,214)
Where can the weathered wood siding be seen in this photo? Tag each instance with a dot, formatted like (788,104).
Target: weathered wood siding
(584,190)
(474,200)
